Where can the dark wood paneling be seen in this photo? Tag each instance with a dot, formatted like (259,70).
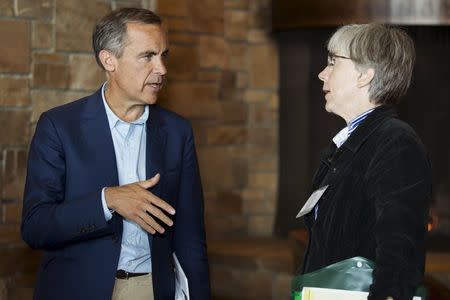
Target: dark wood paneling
(290,14)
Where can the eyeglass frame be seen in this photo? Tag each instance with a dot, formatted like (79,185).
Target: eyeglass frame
(332,56)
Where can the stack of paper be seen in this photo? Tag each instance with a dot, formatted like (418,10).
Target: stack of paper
(310,293)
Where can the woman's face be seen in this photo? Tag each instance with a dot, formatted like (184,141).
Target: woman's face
(340,85)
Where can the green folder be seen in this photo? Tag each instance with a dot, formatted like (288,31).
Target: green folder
(353,274)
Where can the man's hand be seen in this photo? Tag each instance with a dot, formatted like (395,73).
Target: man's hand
(133,202)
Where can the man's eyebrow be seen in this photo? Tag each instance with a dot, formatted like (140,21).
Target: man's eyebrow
(147,53)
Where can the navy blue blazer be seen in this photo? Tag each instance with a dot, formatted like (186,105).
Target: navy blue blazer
(71,159)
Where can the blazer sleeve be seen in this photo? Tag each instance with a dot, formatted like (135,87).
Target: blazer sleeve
(189,231)
(48,219)
(399,182)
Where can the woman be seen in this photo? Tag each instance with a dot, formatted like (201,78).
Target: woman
(375,176)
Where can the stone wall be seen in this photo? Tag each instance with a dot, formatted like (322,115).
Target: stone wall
(223,76)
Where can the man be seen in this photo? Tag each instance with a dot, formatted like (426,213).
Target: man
(106,174)
(374,181)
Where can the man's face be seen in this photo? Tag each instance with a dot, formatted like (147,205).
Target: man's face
(340,85)
(139,73)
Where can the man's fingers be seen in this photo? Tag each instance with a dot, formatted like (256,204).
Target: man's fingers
(156,212)
(146,184)
(160,203)
(150,224)
(145,226)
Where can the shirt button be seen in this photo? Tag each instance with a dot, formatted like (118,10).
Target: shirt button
(334,170)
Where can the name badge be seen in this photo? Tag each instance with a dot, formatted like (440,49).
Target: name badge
(312,201)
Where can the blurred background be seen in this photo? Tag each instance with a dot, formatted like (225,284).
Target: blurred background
(245,73)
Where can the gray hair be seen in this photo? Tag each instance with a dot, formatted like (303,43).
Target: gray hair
(388,50)
(110,32)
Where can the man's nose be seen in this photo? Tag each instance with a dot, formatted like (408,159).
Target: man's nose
(160,67)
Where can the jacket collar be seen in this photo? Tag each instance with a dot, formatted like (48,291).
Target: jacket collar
(368,126)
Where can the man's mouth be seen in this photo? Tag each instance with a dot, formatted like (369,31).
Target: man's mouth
(155,85)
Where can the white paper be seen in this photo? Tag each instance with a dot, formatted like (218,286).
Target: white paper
(181,281)
(309,293)
(312,201)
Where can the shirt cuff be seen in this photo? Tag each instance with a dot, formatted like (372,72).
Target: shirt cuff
(107,212)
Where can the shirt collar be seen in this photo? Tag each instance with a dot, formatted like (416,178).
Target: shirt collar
(345,132)
(113,119)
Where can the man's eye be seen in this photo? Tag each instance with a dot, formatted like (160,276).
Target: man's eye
(149,56)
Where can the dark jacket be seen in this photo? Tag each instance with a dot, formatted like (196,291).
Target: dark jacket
(71,159)
(376,205)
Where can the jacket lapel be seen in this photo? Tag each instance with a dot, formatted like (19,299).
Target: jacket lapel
(155,146)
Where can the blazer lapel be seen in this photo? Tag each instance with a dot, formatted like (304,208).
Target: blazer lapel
(155,147)
(100,141)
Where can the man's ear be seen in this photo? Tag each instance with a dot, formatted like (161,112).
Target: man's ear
(365,77)
(108,60)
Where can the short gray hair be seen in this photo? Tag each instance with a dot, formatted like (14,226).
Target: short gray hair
(386,49)
(110,32)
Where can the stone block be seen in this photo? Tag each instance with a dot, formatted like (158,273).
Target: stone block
(75,21)
(199,129)
(52,58)
(237,57)
(128,3)
(253,95)
(20,293)
(43,100)
(261,19)
(263,180)
(215,167)
(209,75)
(236,4)
(51,75)
(223,202)
(261,225)
(265,205)
(182,38)
(253,254)
(42,35)
(258,36)
(178,8)
(14,91)
(182,63)
(243,285)
(240,172)
(85,74)
(212,52)
(192,100)
(15,127)
(9,234)
(37,9)
(241,79)
(21,258)
(236,24)
(177,24)
(221,226)
(14,177)
(12,213)
(263,114)
(227,135)
(233,112)
(15,50)
(7,10)
(210,22)
(263,136)
(263,66)
(266,164)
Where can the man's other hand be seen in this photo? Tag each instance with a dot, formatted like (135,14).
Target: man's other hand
(133,202)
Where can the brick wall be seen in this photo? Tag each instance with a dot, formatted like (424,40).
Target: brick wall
(223,76)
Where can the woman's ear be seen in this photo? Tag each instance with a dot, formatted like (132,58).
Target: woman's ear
(365,77)
(108,60)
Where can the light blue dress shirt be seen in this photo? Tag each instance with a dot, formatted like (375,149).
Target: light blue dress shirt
(129,146)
